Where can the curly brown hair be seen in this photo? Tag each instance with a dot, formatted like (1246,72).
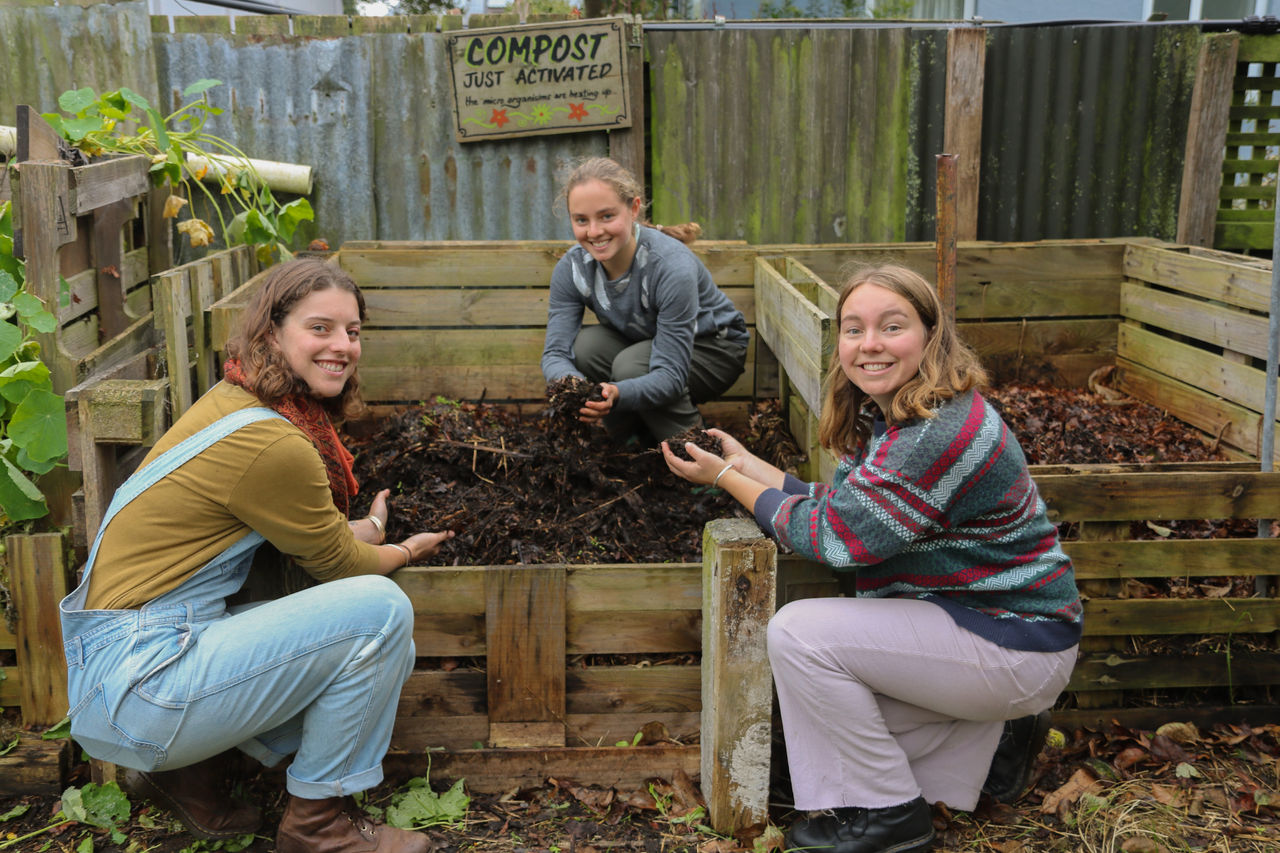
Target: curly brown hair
(269,375)
(948,368)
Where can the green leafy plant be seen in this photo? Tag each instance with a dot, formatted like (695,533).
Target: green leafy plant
(33,426)
(124,122)
(418,807)
(99,806)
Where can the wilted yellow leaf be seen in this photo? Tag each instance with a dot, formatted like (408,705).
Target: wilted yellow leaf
(173,205)
(197,231)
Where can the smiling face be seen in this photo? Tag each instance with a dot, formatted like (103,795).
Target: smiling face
(320,339)
(882,340)
(604,224)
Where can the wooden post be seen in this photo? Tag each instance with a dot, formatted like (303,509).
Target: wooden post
(739,569)
(946,228)
(962,132)
(525,643)
(1207,138)
(627,145)
(44,210)
(38,581)
(171,305)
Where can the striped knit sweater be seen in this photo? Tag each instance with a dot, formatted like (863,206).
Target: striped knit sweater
(942,509)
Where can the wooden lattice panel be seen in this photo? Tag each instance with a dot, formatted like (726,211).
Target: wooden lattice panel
(1246,208)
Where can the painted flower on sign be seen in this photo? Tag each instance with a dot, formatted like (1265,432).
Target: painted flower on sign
(541,114)
(499,118)
(577,112)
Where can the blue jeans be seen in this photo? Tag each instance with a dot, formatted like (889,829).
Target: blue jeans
(317,673)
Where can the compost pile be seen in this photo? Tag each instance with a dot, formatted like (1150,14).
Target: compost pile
(547,488)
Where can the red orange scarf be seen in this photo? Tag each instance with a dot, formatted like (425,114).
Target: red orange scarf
(306,413)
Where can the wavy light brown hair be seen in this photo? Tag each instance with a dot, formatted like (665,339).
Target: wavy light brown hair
(269,375)
(613,174)
(948,368)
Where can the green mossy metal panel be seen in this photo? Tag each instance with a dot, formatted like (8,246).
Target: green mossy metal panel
(782,135)
(1084,130)
(47,50)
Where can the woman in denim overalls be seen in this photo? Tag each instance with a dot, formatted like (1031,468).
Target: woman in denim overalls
(164,678)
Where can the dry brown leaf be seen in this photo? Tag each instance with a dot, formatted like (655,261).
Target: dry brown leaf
(1169,796)
(1081,782)
(1215,796)
(1165,748)
(1129,757)
(173,206)
(1180,732)
(718,845)
(197,231)
(686,793)
(595,798)
(1013,845)
(1141,845)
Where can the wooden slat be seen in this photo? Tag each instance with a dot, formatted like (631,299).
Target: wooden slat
(1242,284)
(739,569)
(486,306)
(414,382)
(1220,376)
(795,330)
(500,770)
(10,687)
(1227,422)
(998,300)
(1169,671)
(37,582)
(1155,495)
(1207,322)
(1206,134)
(639,586)
(1173,558)
(171,295)
(107,182)
(1168,616)
(525,638)
(634,631)
(83,287)
(1151,718)
(962,123)
(653,689)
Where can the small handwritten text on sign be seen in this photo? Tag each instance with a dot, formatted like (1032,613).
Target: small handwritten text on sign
(539,79)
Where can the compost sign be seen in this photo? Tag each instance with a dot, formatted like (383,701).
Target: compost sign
(540,79)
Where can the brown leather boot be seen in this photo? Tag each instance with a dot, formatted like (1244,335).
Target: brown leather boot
(199,796)
(335,825)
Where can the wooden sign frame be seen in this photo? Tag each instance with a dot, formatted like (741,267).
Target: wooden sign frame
(540,79)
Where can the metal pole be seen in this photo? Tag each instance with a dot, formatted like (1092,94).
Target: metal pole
(1267,441)
(946,232)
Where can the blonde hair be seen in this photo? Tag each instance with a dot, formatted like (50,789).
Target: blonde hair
(948,366)
(614,175)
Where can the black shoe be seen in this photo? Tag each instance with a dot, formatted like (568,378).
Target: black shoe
(1015,757)
(896,829)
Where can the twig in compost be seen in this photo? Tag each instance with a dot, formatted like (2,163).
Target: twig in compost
(474,447)
(611,500)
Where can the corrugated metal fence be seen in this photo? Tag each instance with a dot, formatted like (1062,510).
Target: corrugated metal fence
(765,131)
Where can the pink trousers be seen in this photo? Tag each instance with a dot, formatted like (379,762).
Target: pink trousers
(884,700)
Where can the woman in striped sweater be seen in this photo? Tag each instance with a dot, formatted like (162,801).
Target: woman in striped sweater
(966,612)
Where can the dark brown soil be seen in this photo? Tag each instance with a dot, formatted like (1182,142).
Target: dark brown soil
(544,489)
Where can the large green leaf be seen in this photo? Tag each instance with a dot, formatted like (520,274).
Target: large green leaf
(39,424)
(77,100)
(8,286)
(10,339)
(257,229)
(19,497)
(78,128)
(157,125)
(199,87)
(291,214)
(103,805)
(134,98)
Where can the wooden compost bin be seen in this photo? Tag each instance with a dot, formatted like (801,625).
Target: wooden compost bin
(466,321)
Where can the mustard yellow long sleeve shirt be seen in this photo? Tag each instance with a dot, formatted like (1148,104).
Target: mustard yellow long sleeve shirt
(267,477)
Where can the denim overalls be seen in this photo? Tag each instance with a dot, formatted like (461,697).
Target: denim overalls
(183,678)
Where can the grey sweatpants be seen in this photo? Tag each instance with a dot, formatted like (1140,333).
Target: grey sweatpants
(884,700)
(604,355)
